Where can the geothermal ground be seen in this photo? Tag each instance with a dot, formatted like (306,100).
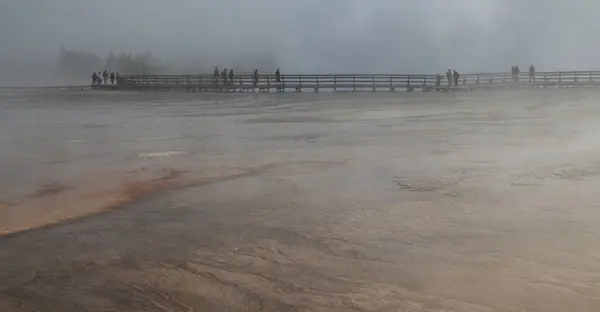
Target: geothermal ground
(475,201)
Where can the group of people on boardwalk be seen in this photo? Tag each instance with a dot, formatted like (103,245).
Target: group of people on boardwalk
(516,72)
(227,77)
(451,75)
(97,77)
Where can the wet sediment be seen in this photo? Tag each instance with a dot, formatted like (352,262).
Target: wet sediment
(367,203)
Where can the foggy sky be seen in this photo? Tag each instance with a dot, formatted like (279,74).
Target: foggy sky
(314,35)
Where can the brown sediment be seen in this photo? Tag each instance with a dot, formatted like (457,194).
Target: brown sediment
(50,189)
(56,204)
(461,207)
(141,189)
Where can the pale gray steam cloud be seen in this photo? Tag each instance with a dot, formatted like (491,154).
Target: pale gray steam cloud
(313,35)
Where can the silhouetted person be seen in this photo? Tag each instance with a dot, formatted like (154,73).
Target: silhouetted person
(278,76)
(438,80)
(255,77)
(224,76)
(231,76)
(449,76)
(517,72)
(112,78)
(94,78)
(456,76)
(99,79)
(216,74)
(105,76)
(531,73)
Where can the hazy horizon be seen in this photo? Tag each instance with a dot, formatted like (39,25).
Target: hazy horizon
(310,35)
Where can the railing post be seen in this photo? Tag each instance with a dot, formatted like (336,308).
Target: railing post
(373,82)
(334,83)
(354,83)
(391,84)
(408,87)
(424,83)
(317,88)
(268,84)
(300,83)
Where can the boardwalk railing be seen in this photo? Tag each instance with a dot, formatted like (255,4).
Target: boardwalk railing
(286,82)
(355,82)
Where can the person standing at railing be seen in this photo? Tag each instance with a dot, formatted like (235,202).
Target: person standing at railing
(255,77)
(216,75)
(224,76)
(449,76)
(231,76)
(105,76)
(517,72)
(94,78)
(456,77)
(278,79)
(438,80)
(112,78)
(531,73)
(513,75)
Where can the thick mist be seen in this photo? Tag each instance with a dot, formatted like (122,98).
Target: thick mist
(305,35)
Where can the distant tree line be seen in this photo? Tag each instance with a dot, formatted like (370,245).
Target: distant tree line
(81,62)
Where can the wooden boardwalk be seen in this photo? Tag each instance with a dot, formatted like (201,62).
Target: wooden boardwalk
(353,82)
(57,87)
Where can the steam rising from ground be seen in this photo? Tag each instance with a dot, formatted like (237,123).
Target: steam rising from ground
(307,36)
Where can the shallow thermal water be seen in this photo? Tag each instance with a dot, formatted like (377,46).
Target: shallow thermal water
(478,201)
